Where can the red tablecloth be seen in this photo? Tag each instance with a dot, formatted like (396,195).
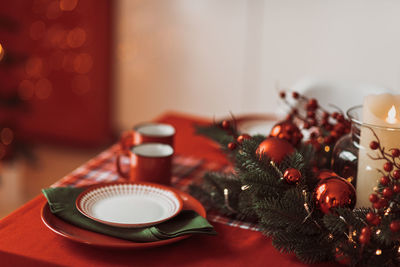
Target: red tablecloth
(26,241)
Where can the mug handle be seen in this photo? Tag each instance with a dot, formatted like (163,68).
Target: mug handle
(126,141)
(120,153)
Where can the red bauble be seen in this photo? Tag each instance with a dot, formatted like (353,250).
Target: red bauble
(226,124)
(274,148)
(243,137)
(232,146)
(323,174)
(334,192)
(288,131)
(292,176)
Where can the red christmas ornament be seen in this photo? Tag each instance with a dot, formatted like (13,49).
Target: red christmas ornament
(287,130)
(226,124)
(334,192)
(232,146)
(274,148)
(243,137)
(292,176)
(323,174)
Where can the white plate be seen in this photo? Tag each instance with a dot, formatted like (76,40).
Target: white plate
(129,204)
(256,124)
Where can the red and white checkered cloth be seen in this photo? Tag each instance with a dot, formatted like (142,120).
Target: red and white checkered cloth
(185,171)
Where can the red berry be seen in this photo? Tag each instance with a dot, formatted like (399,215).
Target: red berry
(396,174)
(313,122)
(306,125)
(282,94)
(383,202)
(335,135)
(364,239)
(328,127)
(340,118)
(339,128)
(387,192)
(376,221)
(295,95)
(325,115)
(232,146)
(243,137)
(395,152)
(310,114)
(226,124)
(384,180)
(373,198)
(377,205)
(335,115)
(294,111)
(328,139)
(312,104)
(396,188)
(395,226)
(388,166)
(373,145)
(370,216)
(366,231)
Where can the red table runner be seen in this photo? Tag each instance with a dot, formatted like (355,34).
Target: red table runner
(26,241)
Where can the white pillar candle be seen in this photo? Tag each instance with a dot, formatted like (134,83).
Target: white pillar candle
(382,111)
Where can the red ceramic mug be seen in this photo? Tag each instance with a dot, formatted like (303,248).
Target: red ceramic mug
(149,162)
(150,132)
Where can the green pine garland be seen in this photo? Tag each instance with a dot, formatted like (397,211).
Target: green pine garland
(287,213)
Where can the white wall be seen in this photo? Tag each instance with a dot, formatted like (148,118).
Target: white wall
(209,57)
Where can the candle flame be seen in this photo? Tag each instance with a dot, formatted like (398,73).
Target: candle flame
(391,118)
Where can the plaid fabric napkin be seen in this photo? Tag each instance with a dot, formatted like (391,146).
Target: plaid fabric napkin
(186,170)
(62,203)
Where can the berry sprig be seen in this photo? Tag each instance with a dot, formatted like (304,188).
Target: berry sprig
(385,199)
(325,127)
(231,129)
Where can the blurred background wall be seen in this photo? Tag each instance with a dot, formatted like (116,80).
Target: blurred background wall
(210,57)
(75,73)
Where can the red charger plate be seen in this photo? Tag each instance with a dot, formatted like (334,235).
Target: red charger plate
(83,236)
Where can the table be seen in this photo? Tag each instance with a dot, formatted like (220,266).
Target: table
(26,241)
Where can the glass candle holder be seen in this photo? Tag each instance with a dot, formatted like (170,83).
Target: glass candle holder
(354,160)
(345,152)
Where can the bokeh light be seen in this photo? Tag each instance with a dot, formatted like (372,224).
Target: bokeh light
(83,63)
(1,52)
(57,37)
(68,5)
(6,136)
(37,30)
(76,37)
(34,66)
(53,10)
(80,84)
(26,89)
(43,88)
(68,61)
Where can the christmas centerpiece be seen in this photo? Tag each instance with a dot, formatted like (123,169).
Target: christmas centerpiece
(285,183)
